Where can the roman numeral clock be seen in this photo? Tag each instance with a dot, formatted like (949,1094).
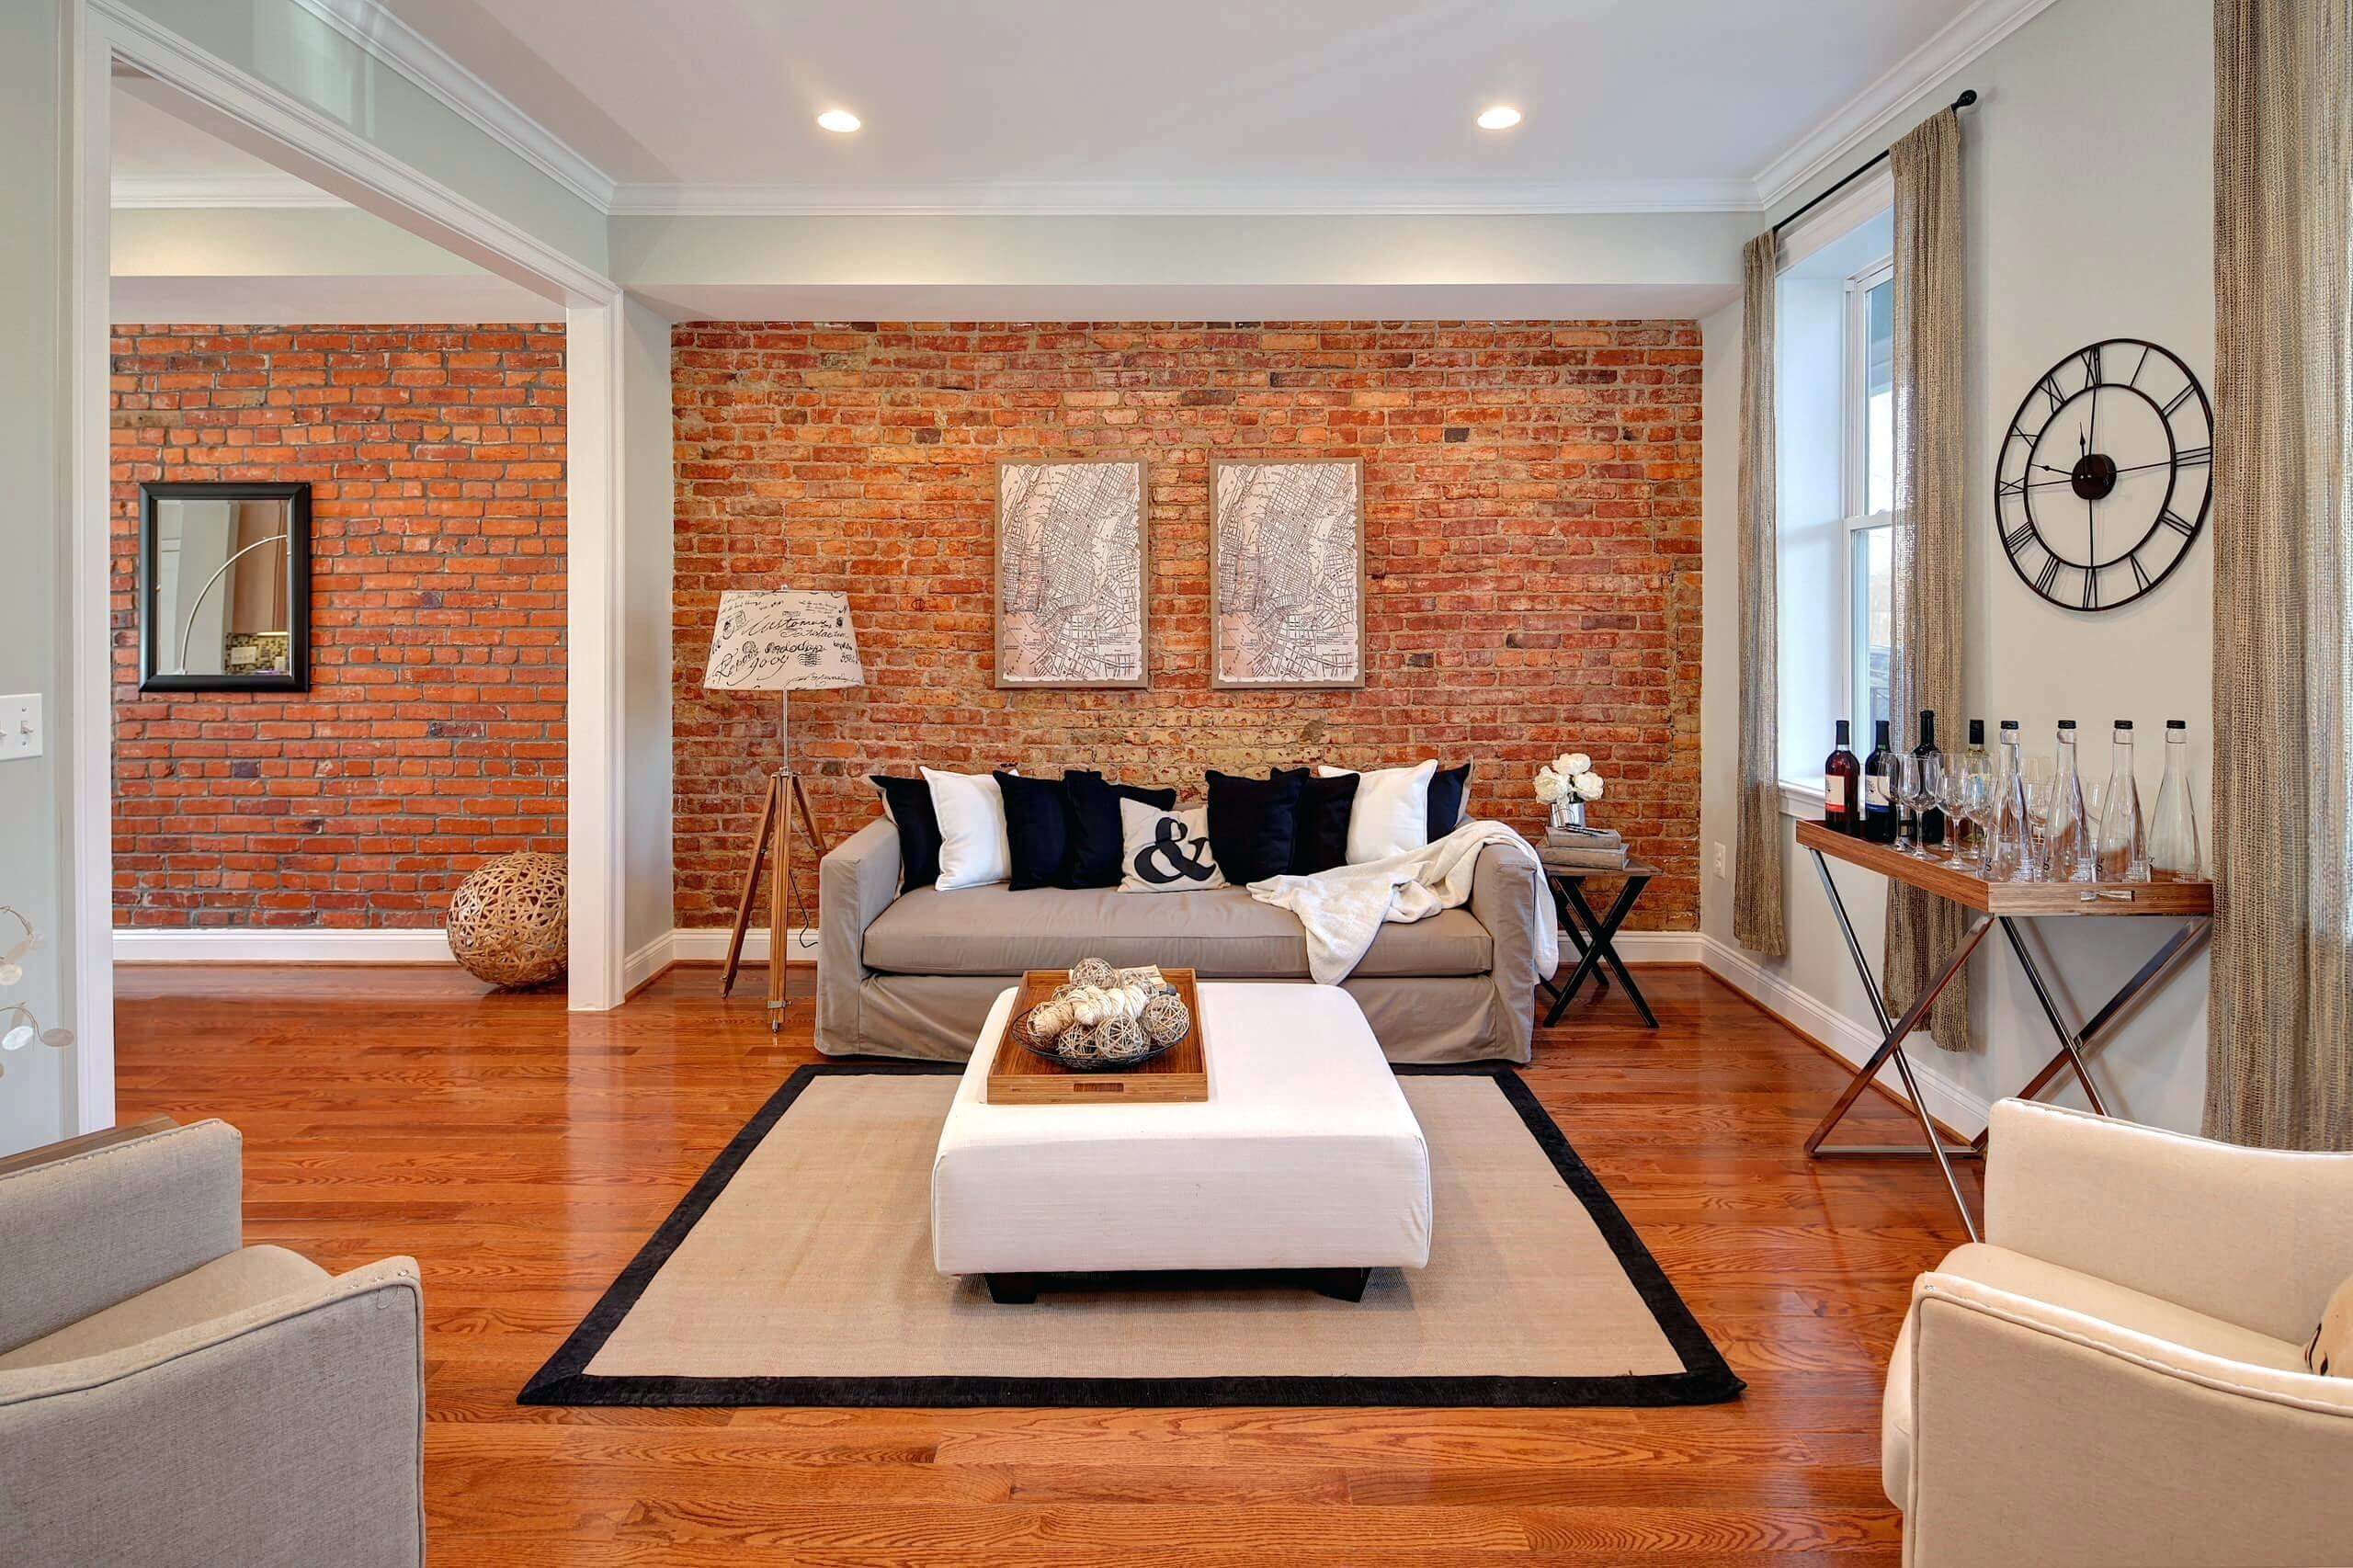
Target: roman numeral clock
(2103,479)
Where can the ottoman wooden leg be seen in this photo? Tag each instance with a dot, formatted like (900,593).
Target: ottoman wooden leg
(1341,1284)
(1012,1290)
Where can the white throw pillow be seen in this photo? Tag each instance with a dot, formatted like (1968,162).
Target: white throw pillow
(1165,851)
(973,848)
(1392,812)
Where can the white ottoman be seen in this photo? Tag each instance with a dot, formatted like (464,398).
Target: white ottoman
(1304,1156)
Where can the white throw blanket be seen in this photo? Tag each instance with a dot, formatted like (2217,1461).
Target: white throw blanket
(1343,909)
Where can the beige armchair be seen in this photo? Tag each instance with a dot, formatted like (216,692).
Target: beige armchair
(2116,1376)
(170,1396)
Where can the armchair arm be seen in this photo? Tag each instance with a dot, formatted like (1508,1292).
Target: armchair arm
(855,883)
(2044,1435)
(291,1433)
(2257,1237)
(94,1228)
(1508,897)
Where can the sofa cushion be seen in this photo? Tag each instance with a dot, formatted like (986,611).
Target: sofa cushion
(1450,790)
(1321,841)
(2021,1275)
(908,802)
(1223,932)
(1037,830)
(1095,831)
(244,1278)
(1252,823)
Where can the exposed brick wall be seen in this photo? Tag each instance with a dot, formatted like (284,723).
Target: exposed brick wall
(1531,523)
(432,737)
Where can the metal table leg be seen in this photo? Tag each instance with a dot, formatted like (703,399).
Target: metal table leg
(1892,1047)
(1605,937)
(1589,957)
(2074,1045)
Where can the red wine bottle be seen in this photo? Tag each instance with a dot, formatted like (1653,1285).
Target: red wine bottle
(1842,788)
(1931,829)
(1879,787)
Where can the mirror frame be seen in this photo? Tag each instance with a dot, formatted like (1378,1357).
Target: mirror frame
(296,496)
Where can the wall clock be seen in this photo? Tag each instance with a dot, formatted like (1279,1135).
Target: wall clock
(2105,476)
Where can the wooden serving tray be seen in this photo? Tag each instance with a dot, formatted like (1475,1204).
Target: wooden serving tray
(1020,1076)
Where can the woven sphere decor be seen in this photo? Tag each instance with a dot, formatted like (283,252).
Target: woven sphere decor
(507,921)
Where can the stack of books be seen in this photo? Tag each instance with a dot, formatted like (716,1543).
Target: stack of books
(1583,850)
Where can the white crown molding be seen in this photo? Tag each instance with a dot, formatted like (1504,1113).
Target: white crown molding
(176,191)
(400,46)
(1204,198)
(1837,137)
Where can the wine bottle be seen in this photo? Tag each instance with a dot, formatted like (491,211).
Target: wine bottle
(2173,833)
(1879,787)
(1930,830)
(1842,786)
(2070,833)
(2122,846)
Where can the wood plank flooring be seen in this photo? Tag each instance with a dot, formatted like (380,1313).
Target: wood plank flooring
(522,1154)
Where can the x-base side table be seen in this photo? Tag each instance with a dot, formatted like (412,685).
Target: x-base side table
(1992,904)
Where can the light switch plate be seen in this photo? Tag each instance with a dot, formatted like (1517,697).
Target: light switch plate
(20,733)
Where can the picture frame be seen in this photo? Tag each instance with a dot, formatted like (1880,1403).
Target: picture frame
(1292,618)
(1071,573)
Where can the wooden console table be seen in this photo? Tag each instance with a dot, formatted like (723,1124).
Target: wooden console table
(2002,903)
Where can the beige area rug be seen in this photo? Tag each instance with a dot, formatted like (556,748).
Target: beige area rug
(798,1272)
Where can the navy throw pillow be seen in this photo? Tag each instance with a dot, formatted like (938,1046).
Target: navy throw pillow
(1252,823)
(1448,787)
(1321,841)
(1095,842)
(1037,828)
(909,803)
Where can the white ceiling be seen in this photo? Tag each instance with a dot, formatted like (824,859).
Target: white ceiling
(1305,105)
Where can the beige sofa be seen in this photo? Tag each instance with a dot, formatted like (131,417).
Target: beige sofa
(170,1396)
(2116,1376)
(914,973)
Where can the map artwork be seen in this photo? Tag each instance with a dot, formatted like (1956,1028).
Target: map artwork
(1289,606)
(1070,574)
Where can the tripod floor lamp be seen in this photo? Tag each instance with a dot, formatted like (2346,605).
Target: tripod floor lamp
(782,640)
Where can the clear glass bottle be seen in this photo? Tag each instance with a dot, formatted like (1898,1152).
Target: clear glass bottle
(2172,832)
(2123,846)
(1974,759)
(2070,831)
(2009,853)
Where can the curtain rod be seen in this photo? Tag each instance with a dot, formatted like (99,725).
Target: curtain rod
(1962,102)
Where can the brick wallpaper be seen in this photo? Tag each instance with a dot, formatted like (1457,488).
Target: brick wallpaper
(1531,520)
(432,737)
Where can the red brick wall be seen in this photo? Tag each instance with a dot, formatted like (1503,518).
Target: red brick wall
(1531,523)
(432,736)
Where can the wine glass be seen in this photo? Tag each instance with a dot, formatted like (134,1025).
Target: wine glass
(1905,770)
(1965,788)
(2041,778)
(1924,784)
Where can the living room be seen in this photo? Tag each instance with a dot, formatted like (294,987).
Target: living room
(1481,610)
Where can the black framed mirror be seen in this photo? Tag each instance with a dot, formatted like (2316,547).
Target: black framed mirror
(225,588)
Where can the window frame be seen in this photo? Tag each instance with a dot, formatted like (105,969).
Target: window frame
(1855,486)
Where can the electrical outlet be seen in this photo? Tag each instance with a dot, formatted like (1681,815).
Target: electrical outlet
(20,727)
(1720,862)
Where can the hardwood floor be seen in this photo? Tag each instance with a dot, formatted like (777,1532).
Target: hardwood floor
(522,1154)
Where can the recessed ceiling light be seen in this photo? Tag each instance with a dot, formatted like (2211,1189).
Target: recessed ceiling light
(1498,117)
(842,121)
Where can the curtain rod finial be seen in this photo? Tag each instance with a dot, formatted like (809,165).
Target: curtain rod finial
(1968,97)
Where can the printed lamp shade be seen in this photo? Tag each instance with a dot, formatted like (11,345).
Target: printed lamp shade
(782,640)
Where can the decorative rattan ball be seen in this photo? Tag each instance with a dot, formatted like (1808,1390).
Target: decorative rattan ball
(1091,971)
(507,921)
(1164,1018)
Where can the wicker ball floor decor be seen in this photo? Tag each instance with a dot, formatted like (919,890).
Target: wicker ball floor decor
(507,921)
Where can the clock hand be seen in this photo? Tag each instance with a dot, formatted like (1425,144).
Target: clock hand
(2068,479)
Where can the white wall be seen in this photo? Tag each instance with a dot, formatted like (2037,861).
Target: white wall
(2089,197)
(649,515)
(248,242)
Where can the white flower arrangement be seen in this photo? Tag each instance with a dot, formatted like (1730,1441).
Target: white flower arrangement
(1569,776)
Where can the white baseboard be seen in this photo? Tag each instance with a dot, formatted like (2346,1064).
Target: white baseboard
(1638,947)
(1963,1110)
(428,945)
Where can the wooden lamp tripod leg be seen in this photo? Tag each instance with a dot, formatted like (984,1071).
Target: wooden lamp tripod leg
(751,886)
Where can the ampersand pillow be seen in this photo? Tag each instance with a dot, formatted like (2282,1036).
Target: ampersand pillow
(1165,851)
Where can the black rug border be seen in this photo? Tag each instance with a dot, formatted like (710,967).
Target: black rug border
(1706,1379)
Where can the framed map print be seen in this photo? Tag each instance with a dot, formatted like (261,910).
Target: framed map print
(1286,589)
(1073,564)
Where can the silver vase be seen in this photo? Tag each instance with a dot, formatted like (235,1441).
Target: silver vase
(1567,813)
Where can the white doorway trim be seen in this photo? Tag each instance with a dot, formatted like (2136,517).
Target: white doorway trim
(263,119)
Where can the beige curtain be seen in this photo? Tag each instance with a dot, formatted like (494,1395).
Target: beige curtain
(1757,923)
(1931,428)
(2279,1053)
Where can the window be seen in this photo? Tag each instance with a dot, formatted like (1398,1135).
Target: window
(1835,401)
(1870,492)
